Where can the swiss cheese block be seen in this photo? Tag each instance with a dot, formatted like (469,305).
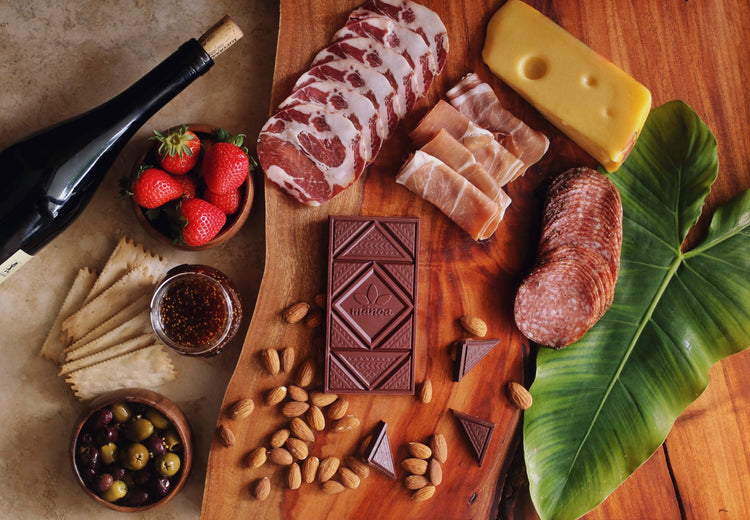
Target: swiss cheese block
(590,99)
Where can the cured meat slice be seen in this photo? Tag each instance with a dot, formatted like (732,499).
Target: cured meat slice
(455,196)
(311,153)
(357,76)
(477,101)
(336,97)
(414,16)
(405,42)
(456,156)
(379,57)
(499,162)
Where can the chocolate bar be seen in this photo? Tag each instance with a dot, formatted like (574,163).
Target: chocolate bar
(379,454)
(371,300)
(477,433)
(469,352)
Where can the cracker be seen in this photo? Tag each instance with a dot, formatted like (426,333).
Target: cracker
(126,255)
(139,306)
(138,325)
(112,351)
(53,345)
(137,282)
(148,367)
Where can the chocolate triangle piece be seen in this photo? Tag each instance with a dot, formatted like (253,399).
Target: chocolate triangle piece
(379,454)
(469,352)
(477,432)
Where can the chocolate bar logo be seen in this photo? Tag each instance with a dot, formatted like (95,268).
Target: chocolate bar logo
(372,302)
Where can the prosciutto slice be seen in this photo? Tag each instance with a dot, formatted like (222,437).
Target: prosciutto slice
(384,60)
(416,18)
(461,201)
(311,153)
(498,161)
(477,101)
(361,78)
(336,97)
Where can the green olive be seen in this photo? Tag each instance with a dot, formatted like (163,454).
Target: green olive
(120,412)
(167,464)
(108,453)
(116,491)
(172,440)
(134,456)
(139,429)
(157,419)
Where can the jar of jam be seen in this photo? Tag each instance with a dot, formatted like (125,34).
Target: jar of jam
(196,310)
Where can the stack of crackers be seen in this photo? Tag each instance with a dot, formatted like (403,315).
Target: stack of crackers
(102,336)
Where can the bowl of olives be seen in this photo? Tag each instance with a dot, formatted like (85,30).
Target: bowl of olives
(131,450)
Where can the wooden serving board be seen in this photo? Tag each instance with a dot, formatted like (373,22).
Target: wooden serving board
(457,276)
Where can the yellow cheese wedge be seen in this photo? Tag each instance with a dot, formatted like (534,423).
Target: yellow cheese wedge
(590,99)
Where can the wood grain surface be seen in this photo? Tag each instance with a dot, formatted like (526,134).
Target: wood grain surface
(695,51)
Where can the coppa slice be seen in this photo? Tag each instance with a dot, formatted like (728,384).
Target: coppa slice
(336,97)
(310,153)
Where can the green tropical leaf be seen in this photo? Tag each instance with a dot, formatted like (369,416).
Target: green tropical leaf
(603,405)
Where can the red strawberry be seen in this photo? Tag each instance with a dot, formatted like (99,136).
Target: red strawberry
(203,221)
(228,202)
(154,187)
(178,150)
(225,164)
(189,185)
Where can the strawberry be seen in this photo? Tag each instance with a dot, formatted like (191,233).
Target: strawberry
(228,202)
(154,187)
(178,150)
(189,185)
(225,164)
(203,221)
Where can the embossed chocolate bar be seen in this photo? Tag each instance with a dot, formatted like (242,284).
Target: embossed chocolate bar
(370,312)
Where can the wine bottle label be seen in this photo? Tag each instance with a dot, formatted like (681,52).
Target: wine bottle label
(12,264)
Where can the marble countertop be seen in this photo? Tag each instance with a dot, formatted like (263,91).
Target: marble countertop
(58,59)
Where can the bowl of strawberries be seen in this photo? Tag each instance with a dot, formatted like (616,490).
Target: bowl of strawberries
(194,187)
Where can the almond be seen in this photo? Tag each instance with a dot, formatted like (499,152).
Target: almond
(423,494)
(296,312)
(276,395)
(315,419)
(357,466)
(328,468)
(435,472)
(332,487)
(294,477)
(271,362)
(306,372)
(278,439)
(262,488)
(419,450)
(338,408)
(520,397)
(297,448)
(439,447)
(415,466)
(314,318)
(310,469)
(297,393)
(241,409)
(280,456)
(320,300)
(346,423)
(348,478)
(425,391)
(256,458)
(473,325)
(294,409)
(301,430)
(287,360)
(226,437)
(416,482)
(365,445)
(321,399)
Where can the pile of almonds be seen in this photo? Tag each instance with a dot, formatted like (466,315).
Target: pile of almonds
(424,467)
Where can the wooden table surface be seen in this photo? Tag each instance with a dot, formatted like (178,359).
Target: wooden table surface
(694,51)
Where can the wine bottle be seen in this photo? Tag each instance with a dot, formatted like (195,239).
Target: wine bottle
(48,178)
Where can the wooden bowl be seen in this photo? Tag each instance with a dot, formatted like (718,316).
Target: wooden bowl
(154,400)
(206,134)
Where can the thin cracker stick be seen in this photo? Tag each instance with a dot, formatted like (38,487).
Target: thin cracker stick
(138,325)
(110,352)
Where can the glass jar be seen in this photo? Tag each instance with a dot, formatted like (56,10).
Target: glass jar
(196,310)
